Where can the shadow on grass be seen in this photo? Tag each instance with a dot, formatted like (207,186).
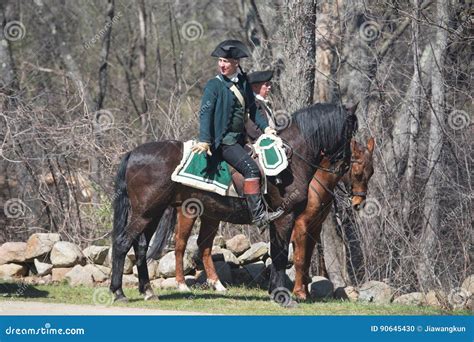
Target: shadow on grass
(178,295)
(194,296)
(21,290)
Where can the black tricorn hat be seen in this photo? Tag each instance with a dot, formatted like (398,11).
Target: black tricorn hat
(231,49)
(260,76)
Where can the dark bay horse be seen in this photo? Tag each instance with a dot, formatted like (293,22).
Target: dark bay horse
(308,225)
(144,191)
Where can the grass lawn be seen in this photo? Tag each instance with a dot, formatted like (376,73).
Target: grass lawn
(237,301)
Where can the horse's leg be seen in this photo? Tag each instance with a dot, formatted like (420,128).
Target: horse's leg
(140,246)
(120,247)
(299,238)
(184,227)
(207,233)
(313,237)
(280,233)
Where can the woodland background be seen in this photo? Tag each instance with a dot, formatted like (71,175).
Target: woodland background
(82,82)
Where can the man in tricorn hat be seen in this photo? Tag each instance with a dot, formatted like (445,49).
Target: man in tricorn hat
(261,87)
(227,102)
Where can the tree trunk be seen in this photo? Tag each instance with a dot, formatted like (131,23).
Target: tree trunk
(299,35)
(327,33)
(414,108)
(426,265)
(7,71)
(142,68)
(334,250)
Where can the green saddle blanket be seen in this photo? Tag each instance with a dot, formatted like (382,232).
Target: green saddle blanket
(200,171)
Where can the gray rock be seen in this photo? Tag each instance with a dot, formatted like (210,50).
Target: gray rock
(98,273)
(238,244)
(256,252)
(291,273)
(59,274)
(46,280)
(8,271)
(431,299)
(131,255)
(414,298)
(40,244)
(66,254)
(258,274)
(79,276)
(224,272)
(96,254)
(346,293)
(129,280)
(192,248)
(42,268)
(219,241)
(321,288)
(13,252)
(468,284)
(376,292)
(169,283)
(167,265)
(156,283)
(221,254)
(291,253)
(152,266)
(128,266)
(459,298)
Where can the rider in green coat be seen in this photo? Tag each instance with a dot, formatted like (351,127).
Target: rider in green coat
(227,103)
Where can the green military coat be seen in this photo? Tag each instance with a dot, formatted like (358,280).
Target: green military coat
(216,109)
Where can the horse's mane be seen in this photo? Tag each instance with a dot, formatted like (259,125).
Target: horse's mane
(325,127)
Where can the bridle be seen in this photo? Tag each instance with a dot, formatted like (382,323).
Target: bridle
(339,169)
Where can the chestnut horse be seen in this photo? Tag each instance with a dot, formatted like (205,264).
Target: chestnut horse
(307,229)
(307,226)
(145,190)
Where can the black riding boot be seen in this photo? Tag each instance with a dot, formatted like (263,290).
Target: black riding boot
(258,211)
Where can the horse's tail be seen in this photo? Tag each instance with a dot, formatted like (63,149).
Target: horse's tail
(121,201)
(163,232)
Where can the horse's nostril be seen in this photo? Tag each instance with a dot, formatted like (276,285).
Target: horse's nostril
(357,207)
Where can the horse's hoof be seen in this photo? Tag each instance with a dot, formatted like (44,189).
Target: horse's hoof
(216,285)
(300,296)
(121,299)
(182,287)
(151,297)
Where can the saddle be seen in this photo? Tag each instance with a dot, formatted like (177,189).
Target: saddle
(201,172)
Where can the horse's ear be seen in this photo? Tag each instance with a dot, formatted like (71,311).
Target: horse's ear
(352,109)
(371,144)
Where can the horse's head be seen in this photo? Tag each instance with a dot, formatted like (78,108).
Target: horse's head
(361,170)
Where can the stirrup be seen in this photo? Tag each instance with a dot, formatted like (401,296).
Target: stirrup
(263,222)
